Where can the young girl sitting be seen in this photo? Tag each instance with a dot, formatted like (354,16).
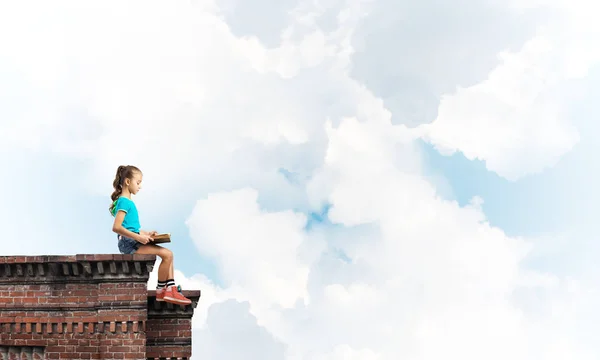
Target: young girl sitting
(133,240)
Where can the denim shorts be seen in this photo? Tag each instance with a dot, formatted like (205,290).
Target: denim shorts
(128,245)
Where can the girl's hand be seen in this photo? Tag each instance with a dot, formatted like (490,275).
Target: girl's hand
(144,239)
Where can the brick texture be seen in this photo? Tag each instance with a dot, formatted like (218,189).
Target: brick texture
(88,307)
(169,330)
(21,353)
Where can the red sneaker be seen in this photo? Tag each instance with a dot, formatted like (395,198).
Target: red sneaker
(173,296)
(160,294)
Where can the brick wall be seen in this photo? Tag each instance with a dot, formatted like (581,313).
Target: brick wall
(21,353)
(87,307)
(169,329)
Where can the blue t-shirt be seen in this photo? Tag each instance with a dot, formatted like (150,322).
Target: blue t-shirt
(131,221)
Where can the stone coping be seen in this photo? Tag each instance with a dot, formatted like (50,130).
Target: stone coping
(24,259)
(47,269)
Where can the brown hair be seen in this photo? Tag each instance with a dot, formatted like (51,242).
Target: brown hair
(123,172)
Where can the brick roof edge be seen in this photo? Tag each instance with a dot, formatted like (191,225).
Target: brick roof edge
(47,269)
(25,259)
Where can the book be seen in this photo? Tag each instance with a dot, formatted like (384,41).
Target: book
(161,238)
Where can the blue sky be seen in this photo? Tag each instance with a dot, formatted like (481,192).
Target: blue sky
(316,165)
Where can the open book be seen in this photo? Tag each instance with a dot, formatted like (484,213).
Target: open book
(161,238)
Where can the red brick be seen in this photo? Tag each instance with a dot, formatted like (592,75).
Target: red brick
(97,319)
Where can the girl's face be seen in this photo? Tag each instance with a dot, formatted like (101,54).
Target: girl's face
(135,184)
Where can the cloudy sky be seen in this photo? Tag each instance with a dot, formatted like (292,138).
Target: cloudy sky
(343,179)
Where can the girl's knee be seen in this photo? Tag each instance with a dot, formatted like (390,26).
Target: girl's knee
(166,254)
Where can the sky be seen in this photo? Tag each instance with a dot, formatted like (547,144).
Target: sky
(343,179)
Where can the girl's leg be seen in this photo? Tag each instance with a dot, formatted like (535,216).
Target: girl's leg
(165,272)
(165,269)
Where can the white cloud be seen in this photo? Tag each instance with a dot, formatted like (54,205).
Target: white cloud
(262,249)
(176,94)
(517,120)
(514,120)
(435,49)
(431,280)
(229,322)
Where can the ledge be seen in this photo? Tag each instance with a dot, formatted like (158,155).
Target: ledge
(73,326)
(73,258)
(21,352)
(89,268)
(163,309)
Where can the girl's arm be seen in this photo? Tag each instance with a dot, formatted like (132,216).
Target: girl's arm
(119,229)
(149,233)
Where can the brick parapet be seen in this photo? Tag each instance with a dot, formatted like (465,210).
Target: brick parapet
(86,268)
(92,306)
(169,327)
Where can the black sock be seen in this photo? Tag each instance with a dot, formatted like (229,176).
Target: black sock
(170,282)
(161,284)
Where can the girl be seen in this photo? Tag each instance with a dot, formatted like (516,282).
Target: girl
(133,240)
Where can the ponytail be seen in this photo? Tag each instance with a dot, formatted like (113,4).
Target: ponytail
(123,172)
